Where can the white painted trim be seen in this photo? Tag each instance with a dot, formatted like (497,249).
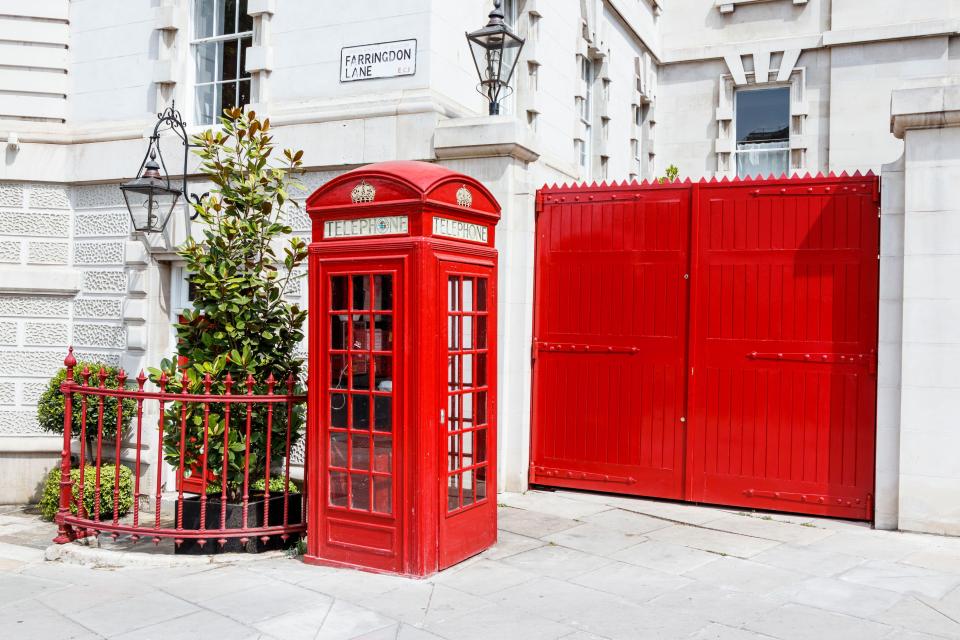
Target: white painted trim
(39,280)
(22,443)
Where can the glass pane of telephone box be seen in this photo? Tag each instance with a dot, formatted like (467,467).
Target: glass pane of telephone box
(453,492)
(338,332)
(338,449)
(361,411)
(383,413)
(361,293)
(360,453)
(382,494)
(383,292)
(481,294)
(360,491)
(338,293)
(383,339)
(466,300)
(338,410)
(338,488)
(383,454)
(453,294)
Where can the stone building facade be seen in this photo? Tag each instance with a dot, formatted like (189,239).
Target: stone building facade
(605,90)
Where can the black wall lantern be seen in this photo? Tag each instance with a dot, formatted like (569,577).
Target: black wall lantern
(150,197)
(495,49)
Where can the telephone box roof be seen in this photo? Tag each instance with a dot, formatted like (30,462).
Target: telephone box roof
(405,180)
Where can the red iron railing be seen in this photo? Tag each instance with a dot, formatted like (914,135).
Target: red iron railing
(93,392)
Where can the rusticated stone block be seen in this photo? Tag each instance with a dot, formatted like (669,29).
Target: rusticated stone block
(34,306)
(98,253)
(47,252)
(47,334)
(10,251)
(102,224)
(48,197)
(34,223)
(97,308)
(105,281)
(99,335)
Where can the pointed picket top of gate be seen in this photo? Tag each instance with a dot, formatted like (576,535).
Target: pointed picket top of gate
(831,175)
(857,174)
(724,179)
(688,181)
(844,174)
(869,174)
(806,176)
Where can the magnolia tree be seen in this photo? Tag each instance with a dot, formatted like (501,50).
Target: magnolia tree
(241,324)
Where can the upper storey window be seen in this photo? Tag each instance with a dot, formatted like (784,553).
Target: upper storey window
(762,122)
(222,31)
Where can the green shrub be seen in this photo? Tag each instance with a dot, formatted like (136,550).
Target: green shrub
(50,403)
(50,500)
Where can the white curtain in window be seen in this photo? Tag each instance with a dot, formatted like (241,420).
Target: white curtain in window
(762,159)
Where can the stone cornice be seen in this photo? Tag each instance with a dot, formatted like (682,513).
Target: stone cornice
(924,108)
(502,136)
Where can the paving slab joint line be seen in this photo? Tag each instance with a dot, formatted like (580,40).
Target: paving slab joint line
(699,526)
(930,606)
(86,555)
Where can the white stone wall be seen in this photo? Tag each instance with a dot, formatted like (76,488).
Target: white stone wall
(63,281)
(928,470)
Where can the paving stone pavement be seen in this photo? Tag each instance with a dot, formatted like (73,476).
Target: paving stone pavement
(569,565)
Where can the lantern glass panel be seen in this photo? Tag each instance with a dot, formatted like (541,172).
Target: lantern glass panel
(150,207)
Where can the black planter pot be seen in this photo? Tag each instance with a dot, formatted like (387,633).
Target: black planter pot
(255,509)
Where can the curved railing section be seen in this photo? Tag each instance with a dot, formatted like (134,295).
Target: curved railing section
(210,501)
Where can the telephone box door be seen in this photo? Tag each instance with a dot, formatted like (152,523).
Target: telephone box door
(363,423)
(467,411)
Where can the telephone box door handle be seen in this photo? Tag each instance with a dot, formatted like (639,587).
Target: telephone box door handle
(442,417)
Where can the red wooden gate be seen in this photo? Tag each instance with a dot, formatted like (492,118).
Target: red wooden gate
(714,342)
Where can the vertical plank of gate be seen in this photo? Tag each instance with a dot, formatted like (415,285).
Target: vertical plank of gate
(695,415)
(870,327)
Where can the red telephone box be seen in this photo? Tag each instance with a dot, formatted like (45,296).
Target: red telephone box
(401,440)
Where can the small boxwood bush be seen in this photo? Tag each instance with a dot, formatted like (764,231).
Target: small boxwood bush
(50,403)
(50,500)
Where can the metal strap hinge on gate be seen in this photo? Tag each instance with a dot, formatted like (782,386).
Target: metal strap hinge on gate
(567,347)
(823,358)
(571,474)
(809,498)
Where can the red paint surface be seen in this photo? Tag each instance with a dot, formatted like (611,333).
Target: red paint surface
(713,342)
(412,523)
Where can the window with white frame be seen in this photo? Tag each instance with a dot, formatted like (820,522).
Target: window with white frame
(585,113)
(762,126)
(222,32)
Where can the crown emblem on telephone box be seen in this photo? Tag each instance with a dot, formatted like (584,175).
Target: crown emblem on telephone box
(363,192)
(464,197)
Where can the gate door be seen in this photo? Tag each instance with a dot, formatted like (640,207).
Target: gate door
(784,340)
(610,341)
(740,373)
